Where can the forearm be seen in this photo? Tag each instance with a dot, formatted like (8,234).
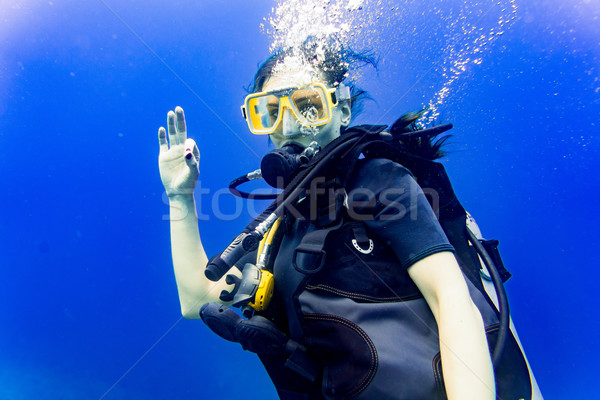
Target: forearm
(189,258)
(466,364)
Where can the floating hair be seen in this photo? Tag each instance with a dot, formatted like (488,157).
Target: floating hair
(430,147)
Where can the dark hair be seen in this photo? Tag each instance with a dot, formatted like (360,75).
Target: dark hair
(330,58)
(428,147)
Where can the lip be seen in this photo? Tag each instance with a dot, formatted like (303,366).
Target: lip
(295,139)
(294,135)
(288,142)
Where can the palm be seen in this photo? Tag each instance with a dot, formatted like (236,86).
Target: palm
(174,171)
(178,158)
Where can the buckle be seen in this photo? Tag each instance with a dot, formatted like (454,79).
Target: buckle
(313,250)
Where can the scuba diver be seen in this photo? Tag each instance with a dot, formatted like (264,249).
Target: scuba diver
(365,278)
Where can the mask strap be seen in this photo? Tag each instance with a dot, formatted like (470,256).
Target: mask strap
(342,92)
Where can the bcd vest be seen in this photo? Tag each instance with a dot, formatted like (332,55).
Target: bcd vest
(340,294)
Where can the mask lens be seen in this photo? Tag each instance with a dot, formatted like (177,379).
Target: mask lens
(263,111)
(311,104)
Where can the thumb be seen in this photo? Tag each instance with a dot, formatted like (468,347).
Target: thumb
(191,153)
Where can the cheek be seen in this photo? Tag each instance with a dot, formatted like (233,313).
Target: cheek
(332,129)
(275,141)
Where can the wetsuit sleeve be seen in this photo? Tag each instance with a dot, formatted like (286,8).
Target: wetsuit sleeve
(385,196)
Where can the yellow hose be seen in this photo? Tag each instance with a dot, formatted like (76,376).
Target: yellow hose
(268,238)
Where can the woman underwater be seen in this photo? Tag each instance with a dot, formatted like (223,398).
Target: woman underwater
(389,303)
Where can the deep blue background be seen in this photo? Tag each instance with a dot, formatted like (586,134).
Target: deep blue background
(86,282)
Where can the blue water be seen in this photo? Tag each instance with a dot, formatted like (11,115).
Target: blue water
(86,285)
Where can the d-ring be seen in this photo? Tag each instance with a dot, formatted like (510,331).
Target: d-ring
(364,251)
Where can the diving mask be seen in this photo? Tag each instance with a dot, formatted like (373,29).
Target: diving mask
(311,104)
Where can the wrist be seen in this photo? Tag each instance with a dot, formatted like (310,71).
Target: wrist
(182,206)
(181,196)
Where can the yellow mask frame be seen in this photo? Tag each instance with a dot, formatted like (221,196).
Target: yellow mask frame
(311,104)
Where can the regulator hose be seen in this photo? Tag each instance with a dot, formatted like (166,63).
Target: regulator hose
(503,310)
(248,240)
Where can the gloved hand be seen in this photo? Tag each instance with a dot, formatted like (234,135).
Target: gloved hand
(179,156)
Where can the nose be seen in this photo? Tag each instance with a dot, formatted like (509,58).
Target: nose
(290,124)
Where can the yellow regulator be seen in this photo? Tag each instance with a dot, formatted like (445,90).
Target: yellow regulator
(264,292)
(256,286)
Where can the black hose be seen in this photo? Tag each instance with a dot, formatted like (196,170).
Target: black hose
(503,310)
(300,182)
(248,240)
(245,195)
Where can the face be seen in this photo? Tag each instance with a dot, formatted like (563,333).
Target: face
(290,130)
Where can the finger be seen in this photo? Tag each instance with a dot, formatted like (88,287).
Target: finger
(196,152)
(191,152)
(171,128)
(162,139)
(180,125)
